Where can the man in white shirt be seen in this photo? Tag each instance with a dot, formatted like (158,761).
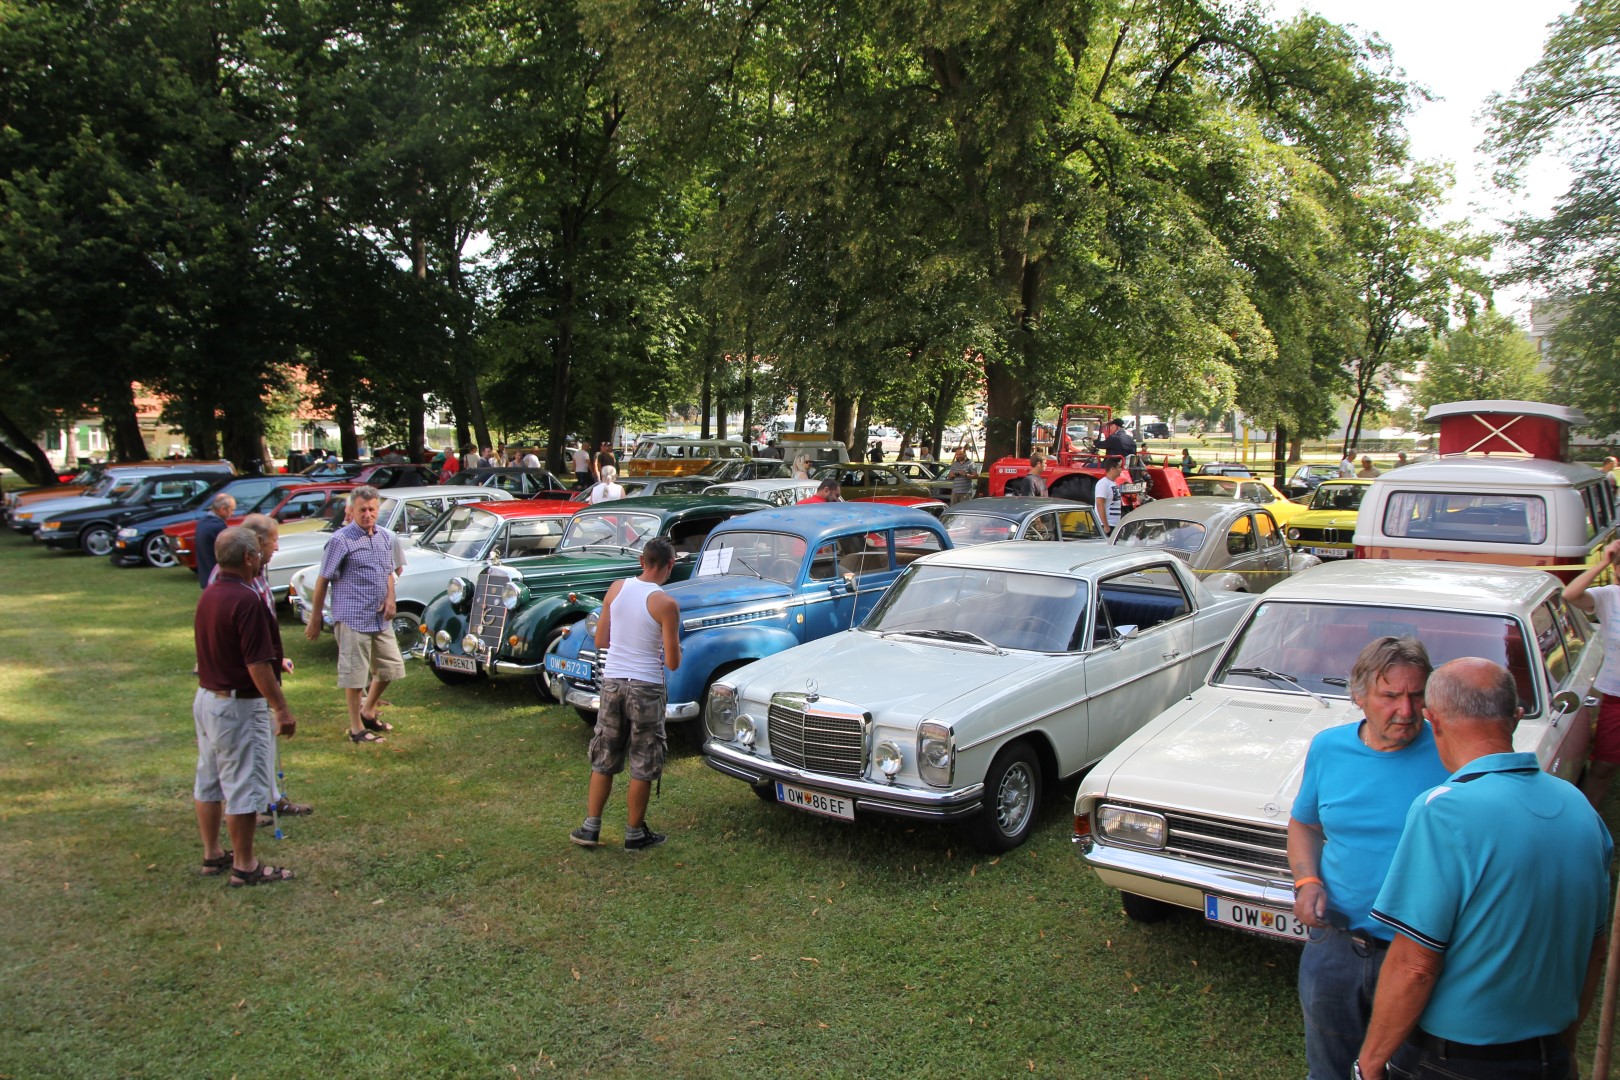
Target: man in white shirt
(1604,602)
(530,460)
(1108,496)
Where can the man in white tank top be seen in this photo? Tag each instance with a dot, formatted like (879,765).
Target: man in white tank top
(640,628)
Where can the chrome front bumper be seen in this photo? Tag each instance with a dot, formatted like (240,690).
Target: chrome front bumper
(592,702)
(425,653)
(873,798)
(301,608)
(1178,881)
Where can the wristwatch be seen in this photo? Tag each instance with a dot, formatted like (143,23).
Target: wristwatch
(1355,1071)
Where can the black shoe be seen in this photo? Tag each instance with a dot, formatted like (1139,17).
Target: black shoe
(647,839)
(586,837)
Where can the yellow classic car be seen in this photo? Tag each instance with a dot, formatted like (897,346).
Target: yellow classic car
(1249,489)
(1327,527)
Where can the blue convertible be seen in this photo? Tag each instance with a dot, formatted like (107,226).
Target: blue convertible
(763,584)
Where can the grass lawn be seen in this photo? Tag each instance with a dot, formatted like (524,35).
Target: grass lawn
(442,925)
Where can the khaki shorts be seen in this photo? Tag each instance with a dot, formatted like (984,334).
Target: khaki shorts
(234,752)
(362,657)
(631,716)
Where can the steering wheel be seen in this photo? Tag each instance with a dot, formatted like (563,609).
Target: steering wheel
(1037,628)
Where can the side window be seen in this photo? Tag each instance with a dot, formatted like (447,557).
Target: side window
(1143,599)
(1589,500)
(1240,537)
(1577,631)
(885,477)
(1078,525)
(1042,527)
(912,544)
(825,565)
(1551,643)
(302,506)
(1270,535)
(418,516)
(1254,493)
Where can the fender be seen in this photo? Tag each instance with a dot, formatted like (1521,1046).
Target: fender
(703,652)
(544,614)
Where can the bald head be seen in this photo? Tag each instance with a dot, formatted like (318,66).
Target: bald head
(233,547)
(223,505)
(1473,705)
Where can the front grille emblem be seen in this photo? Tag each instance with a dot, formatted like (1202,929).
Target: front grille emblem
(811,690)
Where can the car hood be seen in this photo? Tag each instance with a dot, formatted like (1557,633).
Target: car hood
(421,562)
(1325,519)
(49,508)
(894,679)
(698,593)
(1233,753)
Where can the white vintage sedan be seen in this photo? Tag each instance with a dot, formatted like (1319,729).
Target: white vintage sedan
(1192,810)
(983,678)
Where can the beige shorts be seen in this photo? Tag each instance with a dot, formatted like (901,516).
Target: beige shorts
(362,657)
(235,751)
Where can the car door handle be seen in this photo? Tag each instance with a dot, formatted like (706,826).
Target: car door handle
(1593,701)
(1171,655)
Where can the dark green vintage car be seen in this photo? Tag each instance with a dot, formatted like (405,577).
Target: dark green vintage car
(503,622)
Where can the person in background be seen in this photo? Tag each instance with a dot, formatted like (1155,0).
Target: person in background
(1359,780)
(604,459)
(1107,497)
(268,533)
(1368,470)
(961,474)
(875,453)
(220,508)
(1400,459)
(530,460)
(607,489)
(486,458)
(1187,462)
(926,454)
(1347,465)
(1118,442)
(642,624)
(449,466)
(1604,602)
(828,491)
(581,461)
(1607,469)
(1037,475)
(801,467)
(1474,985)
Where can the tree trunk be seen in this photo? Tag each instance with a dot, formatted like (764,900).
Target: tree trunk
(936,424)
(120,425)
(748,379)
(1279,455)
(863,423)
(1008,410)
(418,426)
(801,407)
(22,455)
(1296,447)
(843,422)
(348,437)
(602,428)
(706,395)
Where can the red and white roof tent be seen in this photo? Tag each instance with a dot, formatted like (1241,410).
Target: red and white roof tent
(1528,428)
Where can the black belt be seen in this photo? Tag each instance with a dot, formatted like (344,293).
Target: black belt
(1540,1048)
(240,695)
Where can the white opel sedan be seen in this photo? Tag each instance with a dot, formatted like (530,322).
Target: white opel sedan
(983,678)
(1192,810)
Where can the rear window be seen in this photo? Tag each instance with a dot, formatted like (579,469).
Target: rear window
(1464,516)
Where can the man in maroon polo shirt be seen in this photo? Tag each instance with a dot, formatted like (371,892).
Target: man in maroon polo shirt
(239,661)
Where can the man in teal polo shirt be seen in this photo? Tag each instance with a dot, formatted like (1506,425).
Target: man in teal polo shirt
(1498,896)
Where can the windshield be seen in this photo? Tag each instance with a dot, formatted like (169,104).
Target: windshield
(772,556)
(609,528)
(463,533)
(1339,496)
(134,493)
(1315,643)
(1177,534)
(967,529)
(1211,485)
(1010,610)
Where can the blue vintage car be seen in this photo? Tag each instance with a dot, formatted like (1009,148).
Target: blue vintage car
(763,584)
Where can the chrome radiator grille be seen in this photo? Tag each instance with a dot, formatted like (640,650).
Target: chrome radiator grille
(1237,845)
(487,620)
(821,736)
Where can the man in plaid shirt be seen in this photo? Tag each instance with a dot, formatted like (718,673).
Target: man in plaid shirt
(359,568)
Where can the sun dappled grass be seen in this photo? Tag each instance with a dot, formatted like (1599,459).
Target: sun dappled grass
(443,926)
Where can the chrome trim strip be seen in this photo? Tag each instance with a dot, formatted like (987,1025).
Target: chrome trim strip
(873,798)
(736,615)
(1249,888)
(674,710)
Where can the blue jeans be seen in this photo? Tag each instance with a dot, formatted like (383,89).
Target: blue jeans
(1336,987)
(1410,1063)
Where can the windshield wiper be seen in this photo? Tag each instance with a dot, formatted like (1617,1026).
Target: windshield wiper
(744,563)
(1277,676)
(950,635)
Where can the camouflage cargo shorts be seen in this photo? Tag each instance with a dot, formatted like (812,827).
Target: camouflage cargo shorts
(631,715)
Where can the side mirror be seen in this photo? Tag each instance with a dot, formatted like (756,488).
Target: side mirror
(1122,634)
(1565,702)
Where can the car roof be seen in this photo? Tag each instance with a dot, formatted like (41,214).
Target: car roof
(772,483)
(820,521)
(1415,583)
(1494,470)
(669,506)
(527,508)
(1347,481)
(1206,509)
(429,490)
(1075,558)
(1017,506)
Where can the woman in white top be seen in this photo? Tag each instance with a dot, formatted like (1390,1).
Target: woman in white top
(801,467)
(607,489)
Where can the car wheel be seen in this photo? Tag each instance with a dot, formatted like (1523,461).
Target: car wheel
(548,687)
(767,792)
(1143,909)
(97,540)
(157,552)
(407,629)
(587,716)
(1012,791)
(1077,487)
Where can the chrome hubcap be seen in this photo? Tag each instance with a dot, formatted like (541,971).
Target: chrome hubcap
(1014,800)
(99,542)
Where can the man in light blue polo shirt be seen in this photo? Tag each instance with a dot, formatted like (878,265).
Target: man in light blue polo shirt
(1498,895)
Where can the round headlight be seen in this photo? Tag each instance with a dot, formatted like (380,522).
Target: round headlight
(511,595)
(442,639)
(456,590)
(745,730)
(469,644)
(590,623)
(1293,534)
(888,758)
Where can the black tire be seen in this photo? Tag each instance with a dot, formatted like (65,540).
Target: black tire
(1144,909)
(456,678)
(1012,792)
(546,685)
(157,552)
(407,629)
(97,539)
(587,716)
(766,792)
(1076,486)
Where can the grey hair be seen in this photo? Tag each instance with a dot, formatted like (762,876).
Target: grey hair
(1380,655)
(1455,692)
(363,493)
(222,501)
(232,547)
(263,525)
(609,474)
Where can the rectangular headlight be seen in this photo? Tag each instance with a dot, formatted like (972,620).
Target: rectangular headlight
(721,715)
(1139,828)
(936,753)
